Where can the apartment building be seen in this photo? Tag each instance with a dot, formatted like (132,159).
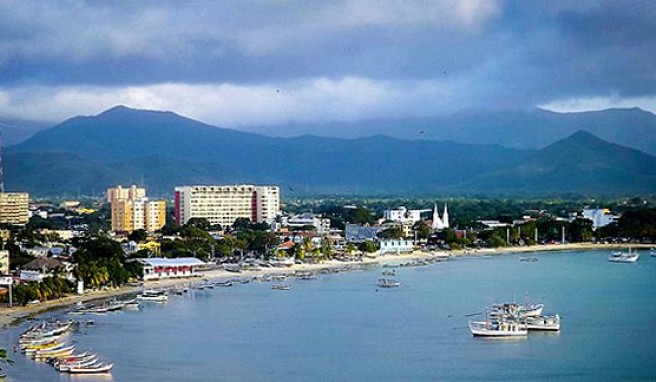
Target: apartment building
(14,207)
(223,204)
(132,210)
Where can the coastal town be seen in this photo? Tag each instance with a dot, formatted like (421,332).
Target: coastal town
(75,251)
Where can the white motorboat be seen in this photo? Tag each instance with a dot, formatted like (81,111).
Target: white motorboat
(153,296)
(551,323)
(622,257)
(388,282)
(498,329)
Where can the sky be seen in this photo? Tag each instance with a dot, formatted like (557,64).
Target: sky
(248,63)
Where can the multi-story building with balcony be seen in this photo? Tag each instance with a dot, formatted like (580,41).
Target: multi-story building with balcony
(223,204)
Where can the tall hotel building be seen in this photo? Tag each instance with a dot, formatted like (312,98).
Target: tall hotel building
(132,210)
(224,204)
(14,208)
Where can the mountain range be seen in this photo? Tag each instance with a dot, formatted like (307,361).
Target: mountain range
(85,155)
(532,129)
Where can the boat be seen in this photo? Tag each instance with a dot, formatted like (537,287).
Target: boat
(225,284)
(622,257)
(388,282)
(497,328)
(652,251)
(93,369)
(152,295)
(231,267)
(46,329)
(391,272)
(527,259)
(515,310)
(551,323)
(281,286)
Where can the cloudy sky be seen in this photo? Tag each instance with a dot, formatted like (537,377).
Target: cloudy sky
(244,63)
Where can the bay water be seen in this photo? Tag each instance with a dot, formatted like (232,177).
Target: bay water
(342,327)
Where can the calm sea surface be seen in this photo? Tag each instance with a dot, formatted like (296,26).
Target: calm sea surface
(341,328)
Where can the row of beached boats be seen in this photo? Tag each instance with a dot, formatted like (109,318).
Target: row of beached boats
(514,320)
(44,342)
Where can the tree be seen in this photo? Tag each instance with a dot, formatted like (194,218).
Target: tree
(138,235)
(200,223)
(368,246)
(391,233)
(422,229)
(241,224)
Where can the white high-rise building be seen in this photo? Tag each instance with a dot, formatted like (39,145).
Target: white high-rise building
(440,223)
(224,204)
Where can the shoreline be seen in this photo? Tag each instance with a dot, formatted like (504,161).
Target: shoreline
(9,316)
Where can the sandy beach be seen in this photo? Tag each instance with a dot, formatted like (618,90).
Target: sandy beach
(11,315)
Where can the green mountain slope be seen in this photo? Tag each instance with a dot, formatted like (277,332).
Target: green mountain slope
(580,163)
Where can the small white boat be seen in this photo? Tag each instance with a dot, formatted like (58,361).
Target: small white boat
(551,323)
(281,286)
(95,369)
(388,282)
(621,257)
(652,251)
(153,296)
(497,329)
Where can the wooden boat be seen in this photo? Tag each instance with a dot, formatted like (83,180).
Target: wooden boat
(88,362)
(46,329)
(92,369)
(497,328)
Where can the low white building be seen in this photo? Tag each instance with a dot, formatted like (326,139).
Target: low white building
(156,268)
(307,219)
(403,215)
(396,246)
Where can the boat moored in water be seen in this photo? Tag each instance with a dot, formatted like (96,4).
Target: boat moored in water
(551,323)
(622,257)
(498,328)
(388,282)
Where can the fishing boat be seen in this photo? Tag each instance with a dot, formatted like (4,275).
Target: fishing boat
(652,251)
(551,323)
(622,257)
(528,259)
(388,282)
(152,295)
(515,310)
(86,362)
(46,329)
(92,369)
(225,284)
(497,328)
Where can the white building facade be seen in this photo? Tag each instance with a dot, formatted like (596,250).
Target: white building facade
(224,204)
(403,215)
(600,217)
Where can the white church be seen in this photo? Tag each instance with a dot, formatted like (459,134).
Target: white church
(440,223)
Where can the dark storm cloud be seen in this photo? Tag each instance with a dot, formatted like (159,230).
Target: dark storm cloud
(336,60)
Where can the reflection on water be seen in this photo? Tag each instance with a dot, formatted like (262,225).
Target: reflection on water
(338,328)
